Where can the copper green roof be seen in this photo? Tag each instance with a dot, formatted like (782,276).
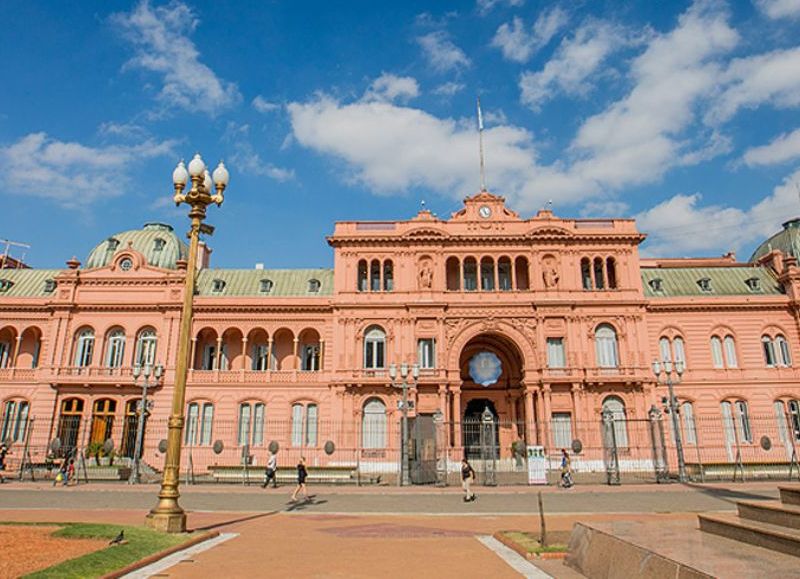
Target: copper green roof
(162,253)
(787,240)
(723,281)
(26,283)
(247,282)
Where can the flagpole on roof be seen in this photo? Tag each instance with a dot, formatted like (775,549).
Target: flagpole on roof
(480,145)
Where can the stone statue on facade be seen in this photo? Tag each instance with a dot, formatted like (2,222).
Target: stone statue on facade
(425,276)
(550,274)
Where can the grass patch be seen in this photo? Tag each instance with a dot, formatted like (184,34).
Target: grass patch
(141,543)
(530,543)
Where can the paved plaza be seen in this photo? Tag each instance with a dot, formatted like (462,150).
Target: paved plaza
(354,532)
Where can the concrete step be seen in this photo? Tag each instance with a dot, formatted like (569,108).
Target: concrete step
(772,512)
(790,495)
(773,537)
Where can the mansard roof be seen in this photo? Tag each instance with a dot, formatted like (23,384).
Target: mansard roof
(786,240)
(723,281)
(27,283)
(247,282)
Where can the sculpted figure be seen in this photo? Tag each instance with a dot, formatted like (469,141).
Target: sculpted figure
(425,276)
(550,274)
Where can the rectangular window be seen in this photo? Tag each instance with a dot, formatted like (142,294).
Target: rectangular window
(689,428)
(260,357)
(209,357)
(311,425)
(743,420)
(716,352)
(297,425)
(426,353)
(206,424)
(730,352)
(562,429)
(190,434)
(244,424)
(258,424)
(665,350)
(556,357)
(769,352)
(311,357)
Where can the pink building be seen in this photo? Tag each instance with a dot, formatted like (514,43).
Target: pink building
(545,322)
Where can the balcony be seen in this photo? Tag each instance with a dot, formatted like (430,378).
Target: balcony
(250,377)
(89,375)
(18,374)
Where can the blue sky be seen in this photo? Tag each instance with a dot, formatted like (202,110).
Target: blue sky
(681,114)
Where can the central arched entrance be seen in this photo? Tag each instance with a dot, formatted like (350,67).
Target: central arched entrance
(491,367)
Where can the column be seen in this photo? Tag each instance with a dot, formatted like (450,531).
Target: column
(530,418)
(539,417)
(296,343)
(456,393)
(269,354)
(218,354)
(16,352)
(548,416)
(321,354)
(244,355)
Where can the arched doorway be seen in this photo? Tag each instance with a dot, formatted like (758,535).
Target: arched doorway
(491,367)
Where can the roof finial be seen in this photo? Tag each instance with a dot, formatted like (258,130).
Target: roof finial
(480,145)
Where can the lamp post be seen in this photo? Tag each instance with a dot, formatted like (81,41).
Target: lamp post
(145,372)
(168,515)
(664,375)
(404,471)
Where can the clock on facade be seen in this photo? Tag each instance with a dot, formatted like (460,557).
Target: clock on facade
(485,211)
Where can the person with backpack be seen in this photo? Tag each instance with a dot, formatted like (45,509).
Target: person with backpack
(467,478)
(270,474)
(566,470)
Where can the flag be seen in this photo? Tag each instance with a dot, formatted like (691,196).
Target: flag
(480,116)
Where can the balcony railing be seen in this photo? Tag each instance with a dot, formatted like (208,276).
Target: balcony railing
(255,376)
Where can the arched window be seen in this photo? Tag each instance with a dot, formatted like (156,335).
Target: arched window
(611,273)
(504,274)
(730,352)
(310,359)
(794,417)
(146,348)
(69,424)
(375,276)
(783,352)
(84,348)
(679,350)
(103,411)
(388,276)
(599,277)
(743,421)
(487,274)
(115,349)
(314,286)
(15,420)
(470,274)
(362,275)
(769,352)
(787,417)
(605,340)
(373,424)
(689,427)
(260,357)
(586,273)
(664,349)
(199,424)
(672,350)
(521,273)
(251,424)
(716,352)
(615,407)
(374,348)
(453,274)
(304,425)
(265,286)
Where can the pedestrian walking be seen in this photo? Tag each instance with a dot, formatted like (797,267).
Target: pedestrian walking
(3,453)
(467,478)
(61,475)
(302,474)
(566,470)
(70,472)
(270,474)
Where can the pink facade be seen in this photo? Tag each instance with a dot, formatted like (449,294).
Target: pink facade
(573,314)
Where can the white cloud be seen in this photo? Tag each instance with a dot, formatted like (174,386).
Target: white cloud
(785,147)
(772,78)
(262,105)
(389,87)
(638,138)
(441,53)
(161,38)
(776,9)
(245,159)
(72,174)
(123,130)
(485,6)
(449,89)
(680,225)
(518,45)
(575,61)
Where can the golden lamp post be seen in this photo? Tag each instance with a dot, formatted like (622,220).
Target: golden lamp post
(168,515)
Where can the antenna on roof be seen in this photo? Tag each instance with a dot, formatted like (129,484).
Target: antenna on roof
(549,205)
(422,205)
(480,145)
(8,262)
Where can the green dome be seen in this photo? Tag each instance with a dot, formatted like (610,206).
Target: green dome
(156,241)
(786,240)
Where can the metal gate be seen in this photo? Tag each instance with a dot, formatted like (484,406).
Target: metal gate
(422,451)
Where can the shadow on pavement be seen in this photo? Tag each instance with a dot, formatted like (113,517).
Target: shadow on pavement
(726,494)
(302,505)
(237,520)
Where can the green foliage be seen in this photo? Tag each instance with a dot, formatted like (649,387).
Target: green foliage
(530,542)
(141,543)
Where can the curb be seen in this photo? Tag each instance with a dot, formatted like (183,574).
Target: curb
(522,552)
(150,559)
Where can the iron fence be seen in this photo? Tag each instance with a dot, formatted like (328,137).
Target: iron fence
(612,450)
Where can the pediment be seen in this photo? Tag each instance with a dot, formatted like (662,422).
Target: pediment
(549,231)
(425,232)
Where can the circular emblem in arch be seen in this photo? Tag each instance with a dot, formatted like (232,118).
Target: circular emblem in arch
(485,368)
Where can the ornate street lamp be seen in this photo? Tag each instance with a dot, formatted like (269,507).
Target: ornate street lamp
(142,412)
(404,467)
(167,515)
(664,375)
